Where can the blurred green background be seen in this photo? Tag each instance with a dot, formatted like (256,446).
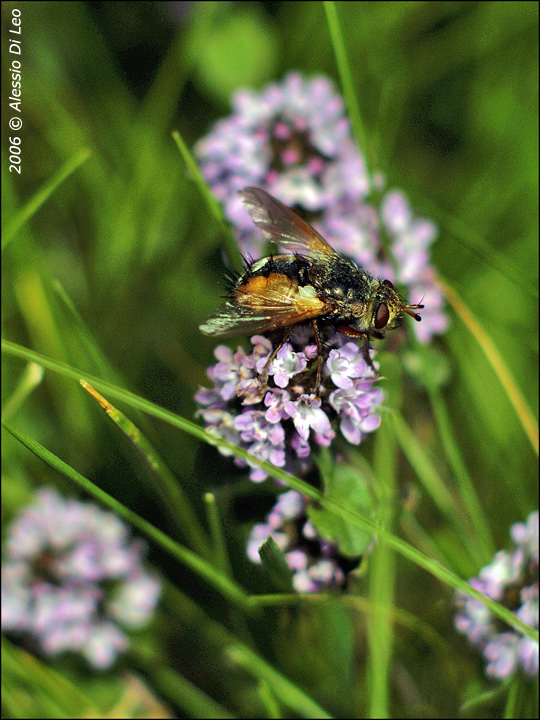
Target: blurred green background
(448,92)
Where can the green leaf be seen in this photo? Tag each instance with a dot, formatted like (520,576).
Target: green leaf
(348,486)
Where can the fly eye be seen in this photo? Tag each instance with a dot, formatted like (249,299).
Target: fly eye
(388,284)
(382,316)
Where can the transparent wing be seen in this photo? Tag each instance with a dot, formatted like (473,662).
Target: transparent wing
(264,304)
(282,225)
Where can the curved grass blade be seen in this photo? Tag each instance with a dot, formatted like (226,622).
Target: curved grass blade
(476,243)
(217,635)
(506,378)
(194,702)
(171,492)
(219,544)
(398,616)
(287,693)
(484,548)
(430,478)
(231,246)
(348,89)
(32,688)
(30,378)
(36,201)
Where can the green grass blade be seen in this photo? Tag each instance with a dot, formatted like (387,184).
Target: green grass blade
(429,476)
(526,418)
(287,692)
(486,545)
(364,606)
(476,243)
(36,201)
(194,701)
(219,545)
(380,629)
(45,689)
(268,701)
(345,75)
(171,493)
(231,246)
(78,327)
(222,639)
(30,379)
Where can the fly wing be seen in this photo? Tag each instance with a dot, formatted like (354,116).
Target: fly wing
(282,225)
(263,304)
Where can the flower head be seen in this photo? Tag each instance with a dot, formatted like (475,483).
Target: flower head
(512,580)
(293,139)
(285,420)
(315,563)
(71,575)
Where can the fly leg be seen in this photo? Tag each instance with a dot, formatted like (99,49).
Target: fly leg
(319,358)
(351,332)
(264,375)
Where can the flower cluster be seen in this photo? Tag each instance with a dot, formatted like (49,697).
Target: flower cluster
(512,580)
(315,562)
(294,140)
(70,576)
(279,423)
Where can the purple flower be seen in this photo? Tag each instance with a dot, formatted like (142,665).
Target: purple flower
(283,421)
(345,363)
(285,365)
(512,580)
(230,371)
(306,413)
(263,439)
(315,562)
(71,575)
(274,401)
(294,140)
(355,409)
